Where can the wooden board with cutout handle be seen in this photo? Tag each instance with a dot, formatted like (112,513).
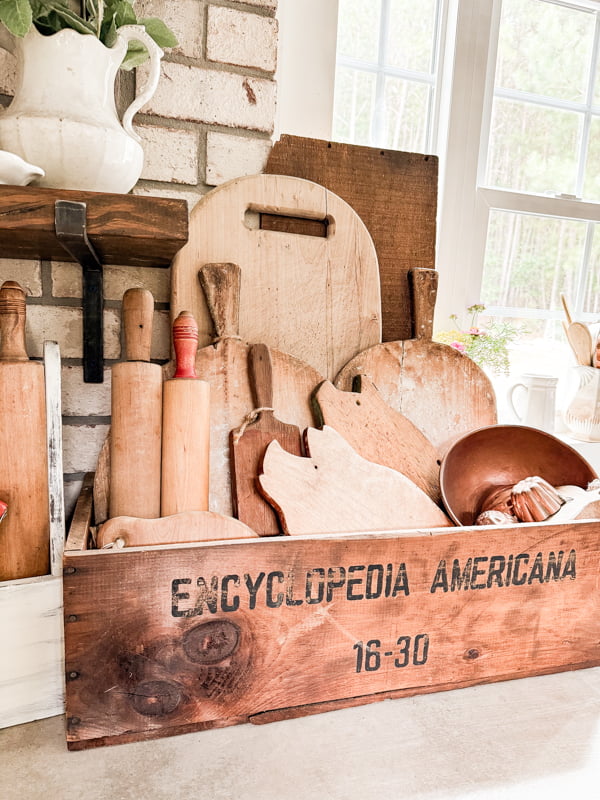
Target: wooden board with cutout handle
(136,416)
(25,532)
(248,445)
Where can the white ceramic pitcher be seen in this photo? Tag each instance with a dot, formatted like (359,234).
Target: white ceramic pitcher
(63,116)
(540,401)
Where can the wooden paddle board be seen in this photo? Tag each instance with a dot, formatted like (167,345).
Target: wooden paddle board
(379,433)
(314,297)
(224,365)
(248,445)
(136,415)
(25,531)
(187,526)
(443,392)
(334,490)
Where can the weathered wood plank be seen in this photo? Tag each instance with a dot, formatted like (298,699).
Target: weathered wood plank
(56,508)
(395,195)
(31,665)
(179,638)
(124,229)
(79,531)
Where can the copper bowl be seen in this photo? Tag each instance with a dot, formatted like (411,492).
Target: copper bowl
(502,455)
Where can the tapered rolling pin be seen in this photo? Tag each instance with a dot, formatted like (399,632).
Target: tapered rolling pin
(136,407)
(186,427)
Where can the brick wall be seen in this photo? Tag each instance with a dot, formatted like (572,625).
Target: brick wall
(210,120)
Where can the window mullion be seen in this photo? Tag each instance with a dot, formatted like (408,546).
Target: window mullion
(378,130)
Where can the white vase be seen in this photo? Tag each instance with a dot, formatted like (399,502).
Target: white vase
(582,416)
(63,116)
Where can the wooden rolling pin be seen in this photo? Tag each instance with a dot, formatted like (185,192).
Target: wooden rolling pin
(25,532)
(136,408)
(186,427)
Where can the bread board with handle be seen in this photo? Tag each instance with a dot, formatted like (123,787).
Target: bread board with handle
(25,532)
(314,297)
(443,392)
(224,365)
(249,443)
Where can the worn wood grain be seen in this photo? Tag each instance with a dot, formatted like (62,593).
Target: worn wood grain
(379,433)
(188,637)
(25,531)
(224,365)
(187,526)
(313,297)
(335,490)
(248,445)
(394,193)
(443,392)
(79,530)
(56,500)
(124,229)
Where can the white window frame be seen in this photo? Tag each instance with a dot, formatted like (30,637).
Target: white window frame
(467,62)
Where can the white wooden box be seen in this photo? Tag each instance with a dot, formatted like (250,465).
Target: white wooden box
(31,609)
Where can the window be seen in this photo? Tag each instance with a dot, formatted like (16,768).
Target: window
(517,84)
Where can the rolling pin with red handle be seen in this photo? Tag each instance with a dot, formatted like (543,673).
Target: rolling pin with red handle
(186,427)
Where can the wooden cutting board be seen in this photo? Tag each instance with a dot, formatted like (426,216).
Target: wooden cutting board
(379,433)
(395,195)
(334,490)
(443,392)
(314,297)
(248,445)
(25,531)
(224,365)
(187,526)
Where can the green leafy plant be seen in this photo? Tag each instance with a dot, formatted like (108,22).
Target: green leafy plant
(488,346)
(99,18)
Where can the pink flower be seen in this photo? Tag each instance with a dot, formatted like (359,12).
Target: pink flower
(458,346)
(475,331)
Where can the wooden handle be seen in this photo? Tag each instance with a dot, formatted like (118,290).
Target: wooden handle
(221,286)
(260,368)
(138,311)
(423,290)
(185,342)
(566,309)
(12,322)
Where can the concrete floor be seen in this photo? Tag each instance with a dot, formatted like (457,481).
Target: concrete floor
(520,740)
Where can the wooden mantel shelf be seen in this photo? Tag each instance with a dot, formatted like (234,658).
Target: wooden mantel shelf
(124,229)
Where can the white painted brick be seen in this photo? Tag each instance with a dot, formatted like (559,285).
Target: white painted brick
(66,281)
(65,325)
(230,157)
(8,72)
(27,273)
(184,17)
(170,155)
(81,446)
(213,97)
(81,399)
(190,197)
(246,40)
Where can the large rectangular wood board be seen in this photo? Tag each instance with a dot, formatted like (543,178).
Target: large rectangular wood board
(395,195)
(166,640)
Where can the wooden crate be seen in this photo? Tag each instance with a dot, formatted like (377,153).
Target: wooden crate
(166,640)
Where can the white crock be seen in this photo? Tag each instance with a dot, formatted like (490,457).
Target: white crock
(63,116)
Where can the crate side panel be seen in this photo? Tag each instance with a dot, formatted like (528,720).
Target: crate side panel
(165,639)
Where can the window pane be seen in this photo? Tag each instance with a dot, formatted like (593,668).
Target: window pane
(545,49)
(591,183)
(358,29)
(533,148)
(591,300)
(353,105)
(410,41)
(530,260)
(406,105)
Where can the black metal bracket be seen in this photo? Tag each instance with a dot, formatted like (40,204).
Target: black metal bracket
(70,224)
